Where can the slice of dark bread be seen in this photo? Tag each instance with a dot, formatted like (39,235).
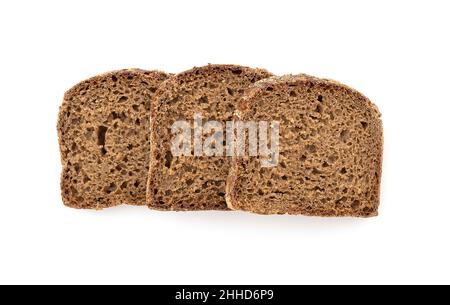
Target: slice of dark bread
(195,182)
(103,129)
(330,151)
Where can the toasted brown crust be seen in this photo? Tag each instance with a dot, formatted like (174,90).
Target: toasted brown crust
(103,126)
(335,196)
(193,183)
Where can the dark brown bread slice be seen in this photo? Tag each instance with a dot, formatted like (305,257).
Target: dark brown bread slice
(103,128)
(193,183)
(330,151)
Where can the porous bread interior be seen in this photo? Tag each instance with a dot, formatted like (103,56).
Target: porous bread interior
(197,182)
(103,128)
(330,151)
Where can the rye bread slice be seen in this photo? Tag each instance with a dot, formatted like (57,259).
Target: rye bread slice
(330,151)
(196,182)
(103,129)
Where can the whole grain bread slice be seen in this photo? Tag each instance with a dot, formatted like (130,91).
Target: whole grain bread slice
(103,129)
(193,182)
(330,151)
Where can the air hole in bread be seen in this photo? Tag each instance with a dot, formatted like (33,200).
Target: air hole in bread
(203,100)
(168,159)
(356,204)
(367,210)
(341,201)
(110,188)
(236,71)
(318,189)
(333,158)
(124,185)
(311,148)
(344,135)
(101,135)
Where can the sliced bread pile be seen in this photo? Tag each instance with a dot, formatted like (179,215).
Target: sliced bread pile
(116,134)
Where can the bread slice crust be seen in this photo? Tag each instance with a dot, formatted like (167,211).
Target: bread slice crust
(103,128)
(331,143)
(182,183)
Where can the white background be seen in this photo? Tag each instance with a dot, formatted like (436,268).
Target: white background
(395,52)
